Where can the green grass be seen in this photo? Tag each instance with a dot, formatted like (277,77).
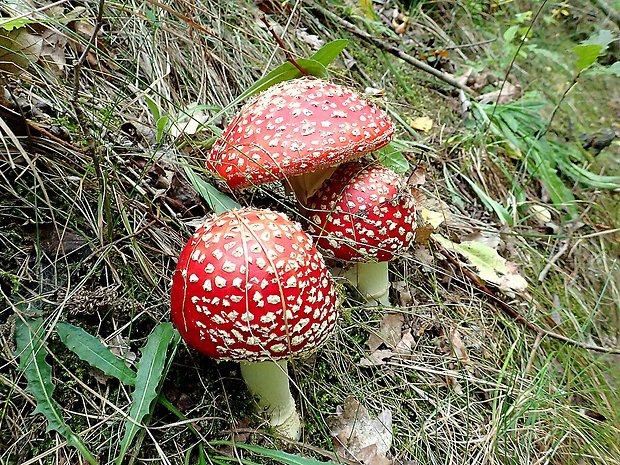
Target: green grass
(119,194)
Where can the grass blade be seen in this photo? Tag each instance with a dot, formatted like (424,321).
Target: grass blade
(31,350)
(91,350)
(328,52)
(218,201)
(149,375)
(277,455)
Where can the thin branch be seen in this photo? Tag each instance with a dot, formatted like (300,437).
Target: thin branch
(513,313)
(287,53)
(352,28)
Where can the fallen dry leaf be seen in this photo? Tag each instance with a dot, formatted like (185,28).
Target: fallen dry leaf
(506,94)
(487,263)
(459,348)
(422,123)
(418,177)
(18,49)
(360,437)
(389,333)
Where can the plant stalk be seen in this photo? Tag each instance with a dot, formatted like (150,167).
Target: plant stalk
(269,382)
(371,279)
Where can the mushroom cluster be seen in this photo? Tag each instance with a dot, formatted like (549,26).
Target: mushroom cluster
(251,286)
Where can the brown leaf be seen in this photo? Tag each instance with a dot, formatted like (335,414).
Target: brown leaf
(459,348)
(422,123)
(418,177)
(505,94)
(18,49)
(389,333)
(360,437)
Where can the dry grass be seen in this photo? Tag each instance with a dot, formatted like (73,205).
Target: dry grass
(94,210)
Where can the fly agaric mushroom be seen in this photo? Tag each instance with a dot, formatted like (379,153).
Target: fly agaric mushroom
(363,214)
(306,125)
(251,286)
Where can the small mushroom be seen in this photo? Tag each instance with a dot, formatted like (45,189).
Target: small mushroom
(251,286)
(294,128)
(363,214)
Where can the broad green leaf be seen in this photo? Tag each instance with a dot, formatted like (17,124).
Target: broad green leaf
(587,55)
(218,201)
(31,351)
(611,70)
(510,33)
(488,264)
(392,157)
(149,375)
(328,52)
(285,72)
(604,37)
(91,350)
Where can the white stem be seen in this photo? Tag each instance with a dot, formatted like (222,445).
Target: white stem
(371,279)
(268,381)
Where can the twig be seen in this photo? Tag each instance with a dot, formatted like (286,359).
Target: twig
(287,53)
(393,49)
(514,313)
(552,260)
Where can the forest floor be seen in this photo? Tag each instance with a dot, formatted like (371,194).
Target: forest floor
(502,343)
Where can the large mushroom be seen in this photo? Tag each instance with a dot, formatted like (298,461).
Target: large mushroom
(295,128)
(363,214)
(251,286)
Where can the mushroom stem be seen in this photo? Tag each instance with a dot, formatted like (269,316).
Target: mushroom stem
(268,381)
(371,279)
(305,185)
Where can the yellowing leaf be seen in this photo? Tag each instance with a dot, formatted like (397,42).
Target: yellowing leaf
(488,264)
(422,123)
(432,217)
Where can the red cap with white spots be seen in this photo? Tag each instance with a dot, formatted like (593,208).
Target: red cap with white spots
(250,285)
(297,127)
(362,213)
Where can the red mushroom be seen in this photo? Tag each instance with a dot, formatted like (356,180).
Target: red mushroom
(251,286)
(296,127)
(364,214)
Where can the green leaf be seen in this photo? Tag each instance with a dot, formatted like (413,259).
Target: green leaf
(31,351)
(218,201)
(149,375)
(279,456)
(502,213)
(604,37)
(392,157)
(91,350)
(153,108)
(510,33)
(489,265)
(611,70)
(540,167)
(9,24)
(587,55)
(328,52)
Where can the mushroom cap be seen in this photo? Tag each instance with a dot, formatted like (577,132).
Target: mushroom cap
(250,285)
(362,213)
(296,127)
